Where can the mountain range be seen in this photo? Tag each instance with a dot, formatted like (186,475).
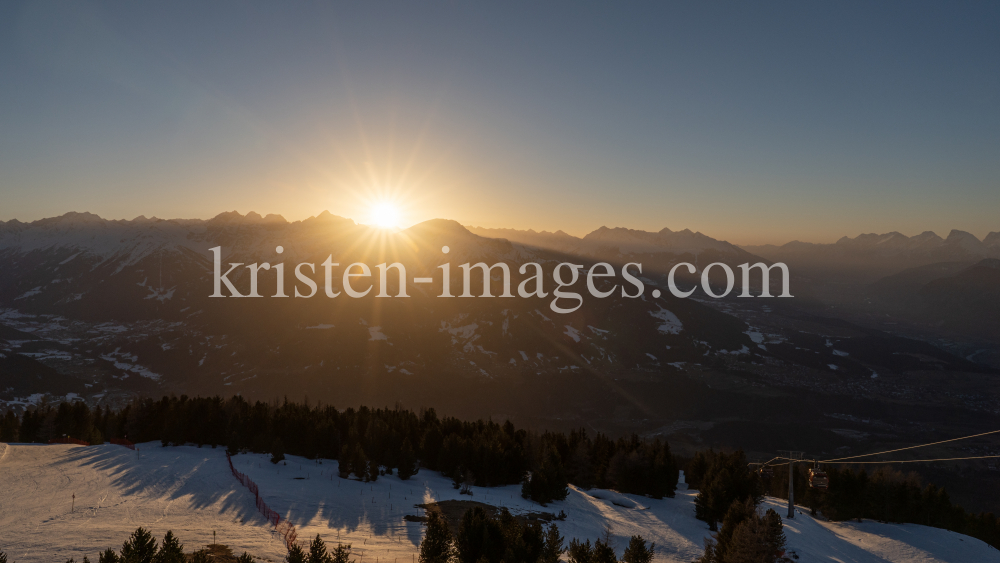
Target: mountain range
(105,310)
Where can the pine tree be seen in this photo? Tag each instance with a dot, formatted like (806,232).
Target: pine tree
(342,554)
(553,546)
(277,451)
(245,558)
(109,556)
(295,554)
(747,536)
(317,551)
(603,553)
(637,552)
(139,548)
(775,532)
(479,536)
(437,545)
(580,552)
(407,462)
(3,557)
(171,550)
(344,462)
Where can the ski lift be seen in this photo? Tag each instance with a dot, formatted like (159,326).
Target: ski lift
(766,473)
(818,479)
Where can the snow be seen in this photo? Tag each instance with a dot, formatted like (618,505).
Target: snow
(572,333)
(67,261)
(320,327)
(375,333)
(190,490)
(30,293)
(671,324)
(130,366)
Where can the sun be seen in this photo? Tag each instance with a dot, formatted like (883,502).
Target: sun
(384,215)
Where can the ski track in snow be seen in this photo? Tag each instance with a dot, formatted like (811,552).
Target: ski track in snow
(190,490)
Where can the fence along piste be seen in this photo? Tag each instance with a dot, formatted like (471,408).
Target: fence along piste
(286,530)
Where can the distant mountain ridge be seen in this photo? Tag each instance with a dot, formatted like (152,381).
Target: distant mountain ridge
(626,241)
(876,255)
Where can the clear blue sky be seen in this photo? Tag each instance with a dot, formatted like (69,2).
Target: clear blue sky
(753,122)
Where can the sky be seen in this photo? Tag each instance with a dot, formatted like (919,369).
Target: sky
(750,122)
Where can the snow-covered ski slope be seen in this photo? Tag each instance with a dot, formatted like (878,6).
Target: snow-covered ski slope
(190,490)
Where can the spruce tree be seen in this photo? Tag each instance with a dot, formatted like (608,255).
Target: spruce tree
(407,461)
(277,451)
(580,552)
(342,554)
(479,537)
(245,558)
(603,553)
(344,462)
(3,557)
(140,547)
(637,552)
(171,550)
(317,551)
(295,554)
(775,532)
(437,545)
(553,546)
(109,556)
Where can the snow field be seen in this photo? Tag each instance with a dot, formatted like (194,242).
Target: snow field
(190,490)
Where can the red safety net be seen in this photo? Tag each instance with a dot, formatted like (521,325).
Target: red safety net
(122,442)
(285,529)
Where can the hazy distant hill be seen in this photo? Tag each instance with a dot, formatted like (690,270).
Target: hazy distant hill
(868,257)
(620,241)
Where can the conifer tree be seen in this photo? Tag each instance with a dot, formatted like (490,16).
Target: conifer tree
(344,462)
(171,550)
(342,554)
(295,554)
(437,545)
(553,546)
(277,451)
(580,552)
(140,547)
(479,536)
(245,558)
(407,461)
(317,551)
(603,553)
(637,552)
(747,536)
(3,557)
(109,556)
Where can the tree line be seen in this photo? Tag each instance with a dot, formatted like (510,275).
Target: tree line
(141,547)
(368,442)
(882,493)
(502,538)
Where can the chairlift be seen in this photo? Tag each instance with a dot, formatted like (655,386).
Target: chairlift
(818,479)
